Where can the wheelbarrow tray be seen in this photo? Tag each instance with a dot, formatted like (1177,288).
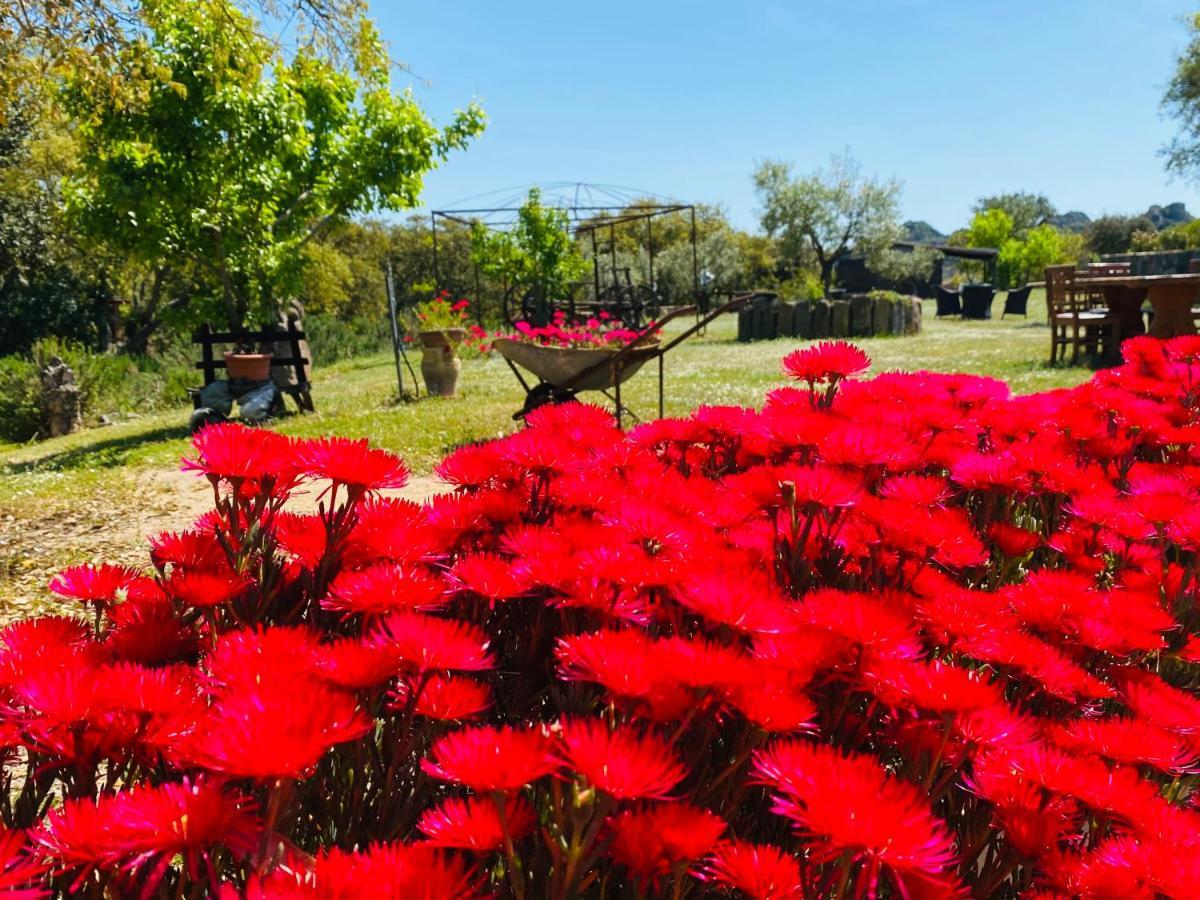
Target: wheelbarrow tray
(577,368)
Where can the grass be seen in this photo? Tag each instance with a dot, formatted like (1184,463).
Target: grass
(357,398)
(61,500)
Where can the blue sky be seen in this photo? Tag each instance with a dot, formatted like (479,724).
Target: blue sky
(955,98)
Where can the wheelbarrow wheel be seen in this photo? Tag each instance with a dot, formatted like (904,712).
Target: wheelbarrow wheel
(543,394)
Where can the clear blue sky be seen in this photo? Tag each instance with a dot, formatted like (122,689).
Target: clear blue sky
(955,98)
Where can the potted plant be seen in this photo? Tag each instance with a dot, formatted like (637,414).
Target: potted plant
(440,328)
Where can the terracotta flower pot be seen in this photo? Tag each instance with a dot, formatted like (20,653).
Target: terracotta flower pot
(249,366)
(440,365)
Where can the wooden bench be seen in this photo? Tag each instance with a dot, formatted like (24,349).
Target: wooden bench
(301,390)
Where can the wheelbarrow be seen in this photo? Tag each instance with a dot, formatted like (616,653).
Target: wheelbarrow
(562,372)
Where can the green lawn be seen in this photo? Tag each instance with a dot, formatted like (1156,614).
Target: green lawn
(58,494)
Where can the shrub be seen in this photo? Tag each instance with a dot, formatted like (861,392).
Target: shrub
(334,339)
(108,383)
(902,637)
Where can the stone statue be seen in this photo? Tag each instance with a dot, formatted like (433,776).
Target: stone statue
(59,399)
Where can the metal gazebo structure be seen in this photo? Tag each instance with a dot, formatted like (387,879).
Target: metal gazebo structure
(594,213)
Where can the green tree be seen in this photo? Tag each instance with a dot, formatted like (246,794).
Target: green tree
(830,213)
(1114,234)
(537,254)
(234,159)
(1026,210)
(1181,101)
(990,228)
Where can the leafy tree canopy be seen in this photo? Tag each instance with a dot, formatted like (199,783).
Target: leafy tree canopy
(1181,101)
(536,254)
(1026,210)
(829,213)
(991,227)
(1114,234)
(84,37)
(233,159)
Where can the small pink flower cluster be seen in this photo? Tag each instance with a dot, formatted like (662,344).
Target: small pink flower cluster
(592,333)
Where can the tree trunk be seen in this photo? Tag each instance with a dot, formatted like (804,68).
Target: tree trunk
(827,273)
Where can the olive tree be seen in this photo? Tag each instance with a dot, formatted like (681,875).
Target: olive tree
(1181,101)
(832,212)
(232,159)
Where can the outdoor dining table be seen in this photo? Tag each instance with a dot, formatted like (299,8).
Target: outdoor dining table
(1171,296)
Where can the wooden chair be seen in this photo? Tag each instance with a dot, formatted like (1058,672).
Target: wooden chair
(297,384)
(1073,318)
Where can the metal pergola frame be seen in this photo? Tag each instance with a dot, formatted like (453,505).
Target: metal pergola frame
(585,219)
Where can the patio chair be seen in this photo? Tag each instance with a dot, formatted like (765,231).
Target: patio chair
(1073,321)
(948,302)
(1016,302)
(977,301)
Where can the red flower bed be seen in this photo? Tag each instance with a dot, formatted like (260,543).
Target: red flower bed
(905,637)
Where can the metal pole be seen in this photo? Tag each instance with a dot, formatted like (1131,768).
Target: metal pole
(391,296)
(596,265)
(437,280)
(650,247)
(695,268)
(612,248)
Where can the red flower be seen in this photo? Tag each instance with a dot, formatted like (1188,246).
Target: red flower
(474,823)
(149,632)
(237,453)
(392,871)
(826,361)
(488,576)
(1013,541)
(269,732)
(19,870)
(447,698)
(190,549)
(303,537)
(352,463)
(487,758)
(142,829)
(100,585)
(737,599)
(624,763)
(826,794)
(206,589)
(760,871)
(353,664)
(384,588)
(421,643)
(651,842)
(628,665)
(1127,741)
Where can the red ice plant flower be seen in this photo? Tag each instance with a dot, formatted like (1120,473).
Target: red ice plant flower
(352,463)
(625,763)
(474,823)
(485,758)
(656,840)
(826,362)
(142,829)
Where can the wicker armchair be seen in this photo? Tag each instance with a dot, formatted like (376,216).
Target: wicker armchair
(977,301)
(949,303)
(1017,302)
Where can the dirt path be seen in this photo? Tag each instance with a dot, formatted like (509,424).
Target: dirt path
(113,528)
